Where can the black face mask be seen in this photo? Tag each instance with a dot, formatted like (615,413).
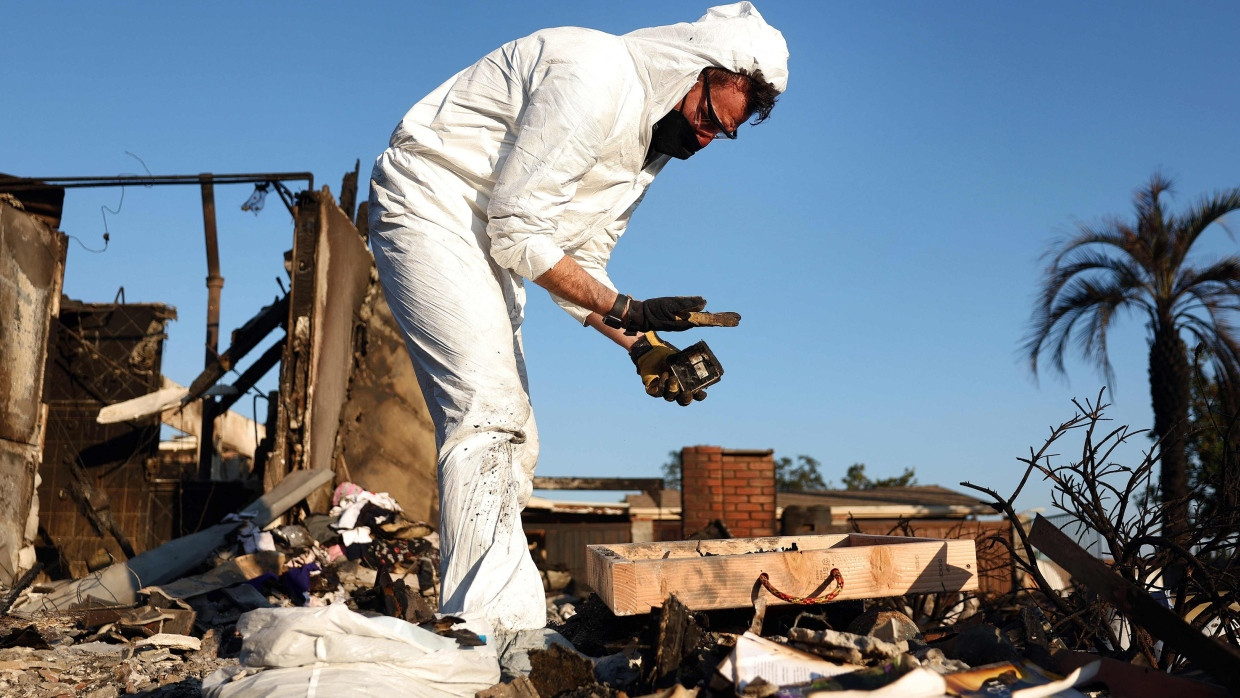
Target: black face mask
(673,135)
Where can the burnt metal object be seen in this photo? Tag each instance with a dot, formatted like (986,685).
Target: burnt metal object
(20,183)
(215,284)
(696,367)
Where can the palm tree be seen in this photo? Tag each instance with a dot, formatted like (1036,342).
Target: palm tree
(1142,265)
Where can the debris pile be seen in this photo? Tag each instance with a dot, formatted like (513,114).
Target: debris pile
(363,556)
(841,649)
(344,603)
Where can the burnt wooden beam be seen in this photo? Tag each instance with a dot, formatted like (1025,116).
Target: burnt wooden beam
(244,339)
(18,587)
(95,506)
(643,484)
(679,635)
(253,374)
(1215,658)
(348,190)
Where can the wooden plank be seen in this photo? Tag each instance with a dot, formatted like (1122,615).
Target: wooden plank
(635,578)
(143,406)
(1219,660)
(234,430)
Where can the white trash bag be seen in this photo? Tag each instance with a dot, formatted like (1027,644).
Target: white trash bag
(332,651)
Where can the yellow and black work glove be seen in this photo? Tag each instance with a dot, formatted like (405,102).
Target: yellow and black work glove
(672,314)
(650,354)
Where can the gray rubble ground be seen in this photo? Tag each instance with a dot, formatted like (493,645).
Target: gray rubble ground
(99,669)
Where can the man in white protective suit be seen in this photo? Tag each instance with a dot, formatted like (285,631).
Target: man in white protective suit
(528,165)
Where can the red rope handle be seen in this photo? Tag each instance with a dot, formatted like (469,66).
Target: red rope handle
(835,575)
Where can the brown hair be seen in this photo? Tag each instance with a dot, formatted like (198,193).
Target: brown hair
(760,95)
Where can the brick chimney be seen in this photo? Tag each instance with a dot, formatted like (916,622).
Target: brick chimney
(734,486)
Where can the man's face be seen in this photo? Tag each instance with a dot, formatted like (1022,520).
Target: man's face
(715,111)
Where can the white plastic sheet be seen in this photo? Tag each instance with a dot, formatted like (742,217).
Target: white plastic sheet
(332,651)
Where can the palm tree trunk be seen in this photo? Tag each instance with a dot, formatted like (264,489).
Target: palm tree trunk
(1170,377)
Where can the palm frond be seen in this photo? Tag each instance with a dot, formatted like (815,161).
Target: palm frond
(1110,233)
(1208,211)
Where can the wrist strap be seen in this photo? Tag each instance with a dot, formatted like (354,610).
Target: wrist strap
(641,347)
(615,317)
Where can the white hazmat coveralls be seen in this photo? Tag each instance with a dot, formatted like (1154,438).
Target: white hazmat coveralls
(535,152)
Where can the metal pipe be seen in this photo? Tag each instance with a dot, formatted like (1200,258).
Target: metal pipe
(153,180)
(215,284)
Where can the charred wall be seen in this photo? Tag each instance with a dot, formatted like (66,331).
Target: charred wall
(349,399)
(96,494)
(32,267)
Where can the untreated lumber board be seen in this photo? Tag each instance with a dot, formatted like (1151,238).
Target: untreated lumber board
(1219,660)
(636,577)
(234,431)
(162,400)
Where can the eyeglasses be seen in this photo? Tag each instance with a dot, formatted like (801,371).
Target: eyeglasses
(710,114)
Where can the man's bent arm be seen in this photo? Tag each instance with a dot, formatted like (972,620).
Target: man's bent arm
(569,281)
(618,336)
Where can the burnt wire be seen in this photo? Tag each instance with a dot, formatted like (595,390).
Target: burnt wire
(104,210)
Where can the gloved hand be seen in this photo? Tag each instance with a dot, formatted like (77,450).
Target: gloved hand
(674,314)
(649,354)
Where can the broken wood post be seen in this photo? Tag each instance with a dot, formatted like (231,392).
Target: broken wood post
(1215,658)
(679,635)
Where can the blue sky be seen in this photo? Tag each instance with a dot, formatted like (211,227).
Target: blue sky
(881,234)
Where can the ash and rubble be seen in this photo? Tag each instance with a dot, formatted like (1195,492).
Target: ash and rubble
(365,555)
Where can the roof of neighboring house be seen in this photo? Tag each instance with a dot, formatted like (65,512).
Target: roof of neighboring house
(919,496)
(569,507)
